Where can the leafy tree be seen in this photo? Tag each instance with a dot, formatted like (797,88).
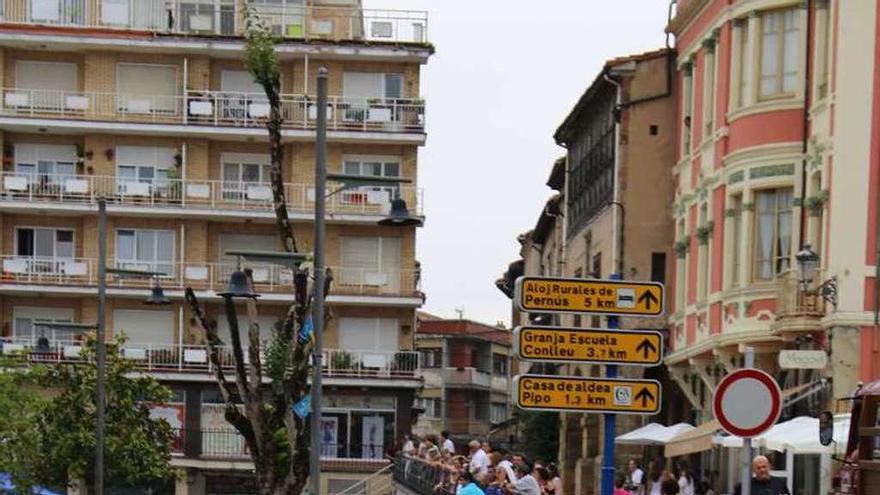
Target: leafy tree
(277,439)
(540,433)
(47,423)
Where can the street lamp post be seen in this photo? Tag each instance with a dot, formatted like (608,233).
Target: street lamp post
(157,297)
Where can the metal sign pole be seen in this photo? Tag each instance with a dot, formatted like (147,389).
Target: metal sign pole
(746,461)
(610,420)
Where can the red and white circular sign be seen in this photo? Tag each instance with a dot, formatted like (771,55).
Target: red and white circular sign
(747,402)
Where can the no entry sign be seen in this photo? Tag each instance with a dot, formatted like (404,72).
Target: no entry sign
(747,402)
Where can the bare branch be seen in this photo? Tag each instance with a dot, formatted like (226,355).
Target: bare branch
(237,352)
(255,369)
(213,342)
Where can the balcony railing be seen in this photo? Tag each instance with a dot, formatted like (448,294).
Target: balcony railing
(419,476)
(794,300)
(267,278)
(217,109)
(470,377)
(195,194)
(207,18)
(337,363)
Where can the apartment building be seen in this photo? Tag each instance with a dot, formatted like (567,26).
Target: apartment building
(148,104)
(467,368)
(776,173)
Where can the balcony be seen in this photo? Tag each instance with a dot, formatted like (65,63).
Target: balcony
(215,109)
(467,378)
(69,275)
(194,17)
(198,197)
(799,308)
(175,358)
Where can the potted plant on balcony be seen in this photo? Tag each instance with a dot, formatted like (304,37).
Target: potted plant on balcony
(343,361)
(682,246)
(704,232)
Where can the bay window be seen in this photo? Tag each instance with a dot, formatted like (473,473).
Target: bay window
(735,239)
(779,53)
(709,90)
(149,250)
(773,231)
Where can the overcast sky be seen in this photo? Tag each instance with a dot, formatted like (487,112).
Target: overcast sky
(505,75)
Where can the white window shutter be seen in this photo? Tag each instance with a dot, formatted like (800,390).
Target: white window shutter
(144,326)
(50,76)
(362,85)
(357,334)
(143,79)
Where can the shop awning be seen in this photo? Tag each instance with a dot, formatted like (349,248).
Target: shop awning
(696,440)
(653,434)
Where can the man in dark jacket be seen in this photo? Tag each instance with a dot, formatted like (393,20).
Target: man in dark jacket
(762,482)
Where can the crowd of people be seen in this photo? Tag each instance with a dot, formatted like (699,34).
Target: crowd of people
(488,471)
(484,470)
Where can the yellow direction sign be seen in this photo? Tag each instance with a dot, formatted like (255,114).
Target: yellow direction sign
(573,295)
(611,395)
(592,345)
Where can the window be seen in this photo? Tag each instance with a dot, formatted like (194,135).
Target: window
(500,364)
(366,85)
(26,318)
(773,227)
(372,166)
(498,412)
(432,407)
(431,358)
(50,82)
(779,53)
(144,326)
(208,16)
(823,45)
(681,270)
(45,164)
(368,334)
(658,267)
(145,14)
(735,239)
(44,243)
(151,250)
(141,168)
(246,176)
(742,70)
(146,88)
(703,284)
(57,11)
(290,24)
(370,262)
(709,91)
(687,102)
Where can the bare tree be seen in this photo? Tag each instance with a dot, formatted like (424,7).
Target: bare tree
(262,410)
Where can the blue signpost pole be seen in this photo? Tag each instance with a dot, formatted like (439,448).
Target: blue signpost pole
(610,419)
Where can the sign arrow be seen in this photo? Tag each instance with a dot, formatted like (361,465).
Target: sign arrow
(644,395)
(648,298)
(646,348)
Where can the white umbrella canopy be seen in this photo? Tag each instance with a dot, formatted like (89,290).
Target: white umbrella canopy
(800,435)
(646,435)
(653,434)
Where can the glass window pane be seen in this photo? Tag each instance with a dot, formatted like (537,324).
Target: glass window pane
(230,172)
(769,54)
(146,246)
(25,168)
(146,174)
(64,244)
(45,167)
(44,243)
(250,172)
(373,168)
(125,244)
(127,172)
(25,242)
(64,169)
(392,169)
(393,86)
(352,168)
(165,246)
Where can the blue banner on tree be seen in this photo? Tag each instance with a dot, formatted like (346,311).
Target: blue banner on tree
(305,333)
(303,407)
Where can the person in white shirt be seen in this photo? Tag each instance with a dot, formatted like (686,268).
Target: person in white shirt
(445,443)
(479,460)
(636,478)
(526,484)
(685,479)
